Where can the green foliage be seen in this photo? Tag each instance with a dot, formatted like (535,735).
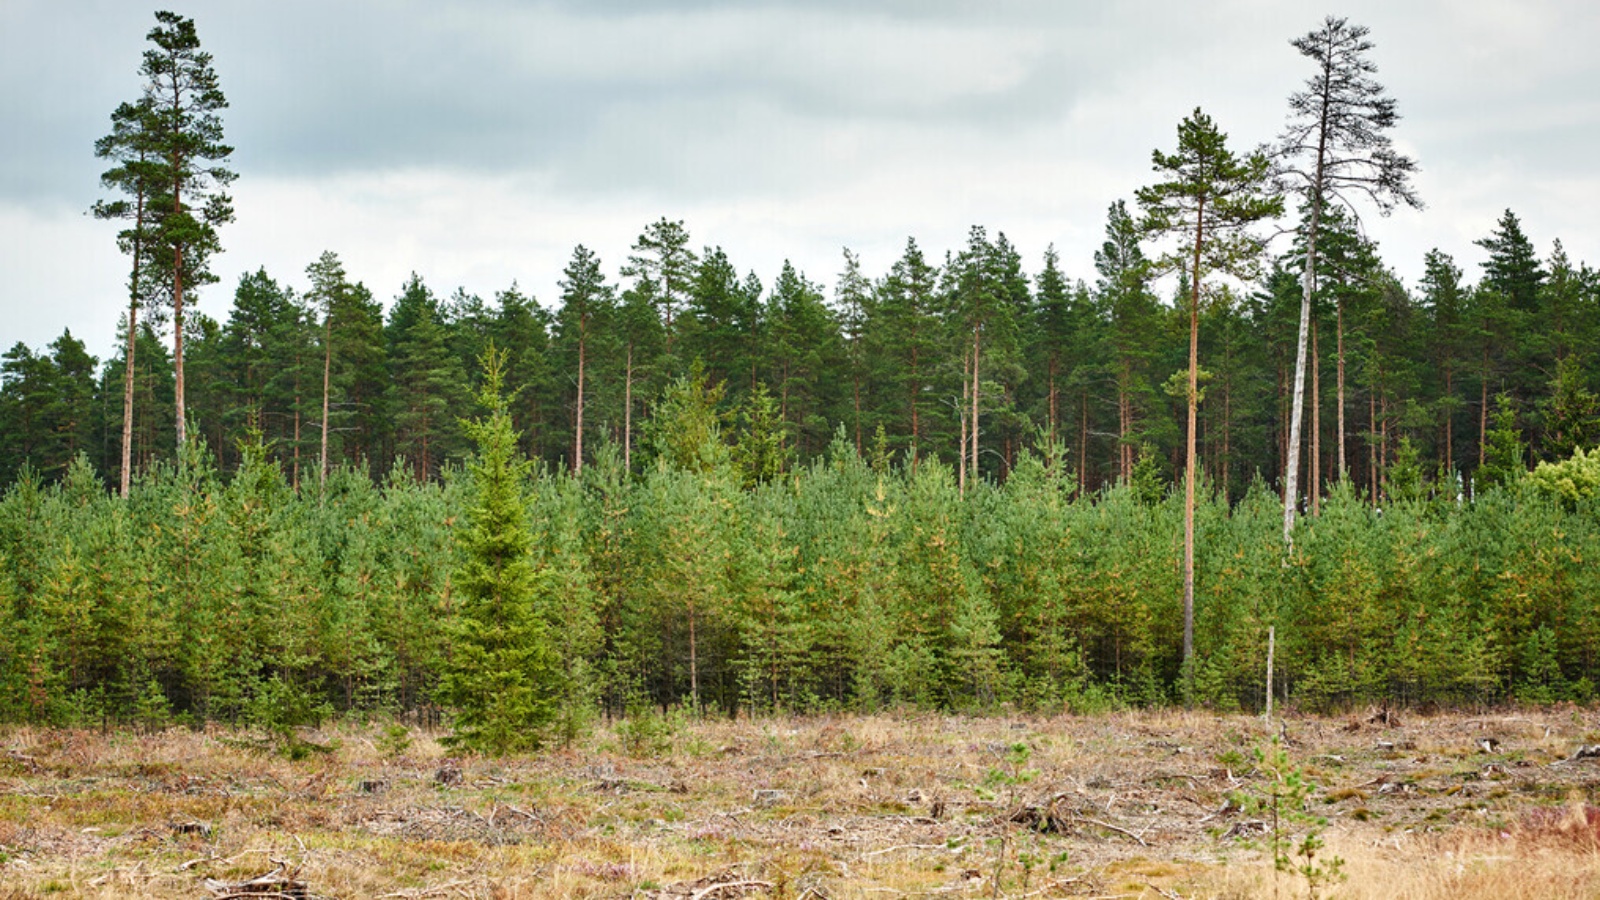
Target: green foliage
(1575,480)
(282,708)
(1285,800)
(648,733)
(394,740)
(1503,461)
(503,676)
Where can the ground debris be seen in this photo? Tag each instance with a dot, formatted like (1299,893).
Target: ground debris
(717,886)
(1056,816)
(277,883)
(1245,828)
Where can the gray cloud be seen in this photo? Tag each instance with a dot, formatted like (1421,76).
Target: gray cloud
(477,141)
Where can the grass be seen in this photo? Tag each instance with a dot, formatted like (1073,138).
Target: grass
(1126,804)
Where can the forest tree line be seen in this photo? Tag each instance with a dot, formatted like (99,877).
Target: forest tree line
(1089,366)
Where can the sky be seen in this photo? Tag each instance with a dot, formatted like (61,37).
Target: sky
(476,142)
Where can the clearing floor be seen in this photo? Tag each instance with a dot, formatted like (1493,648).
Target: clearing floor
(1138,804)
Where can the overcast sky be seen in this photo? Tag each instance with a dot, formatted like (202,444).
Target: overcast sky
(477,141)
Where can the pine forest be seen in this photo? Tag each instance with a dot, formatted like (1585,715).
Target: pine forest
(967,482)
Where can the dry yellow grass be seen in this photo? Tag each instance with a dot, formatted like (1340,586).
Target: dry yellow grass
(1127,805)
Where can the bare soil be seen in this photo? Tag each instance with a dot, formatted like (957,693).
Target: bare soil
(1158,804)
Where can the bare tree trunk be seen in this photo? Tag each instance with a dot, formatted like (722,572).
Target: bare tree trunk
(327,383)
(1189,465)
(1314,484)
(1339,375)
(961,415)
(133,332)
(177,344)
(177,314)
(1308,282)
(577,451)
(976,335)
(1227,427)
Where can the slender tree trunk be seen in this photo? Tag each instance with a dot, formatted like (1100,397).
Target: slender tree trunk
(133,332)
(577,450)
(1308,284)
(327,382)
(976,336)
(1190,460)
(127,387)
(296,476)
(1339,376)
(177,310)
(961,415)
(1314,484)
(177,345)
(1083,445)
(1227,425)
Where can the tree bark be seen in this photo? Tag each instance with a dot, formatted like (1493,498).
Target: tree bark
(1314,483)
(133,332)
(327,382)
(577,450)
(177,307)
(1308,283)
(976,336)
(177,345)
(1339,375)
(1190,460)
(961,416)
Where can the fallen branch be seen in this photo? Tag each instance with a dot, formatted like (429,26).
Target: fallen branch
(904,847)
(205,859)
(1110,827)
(703,893)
